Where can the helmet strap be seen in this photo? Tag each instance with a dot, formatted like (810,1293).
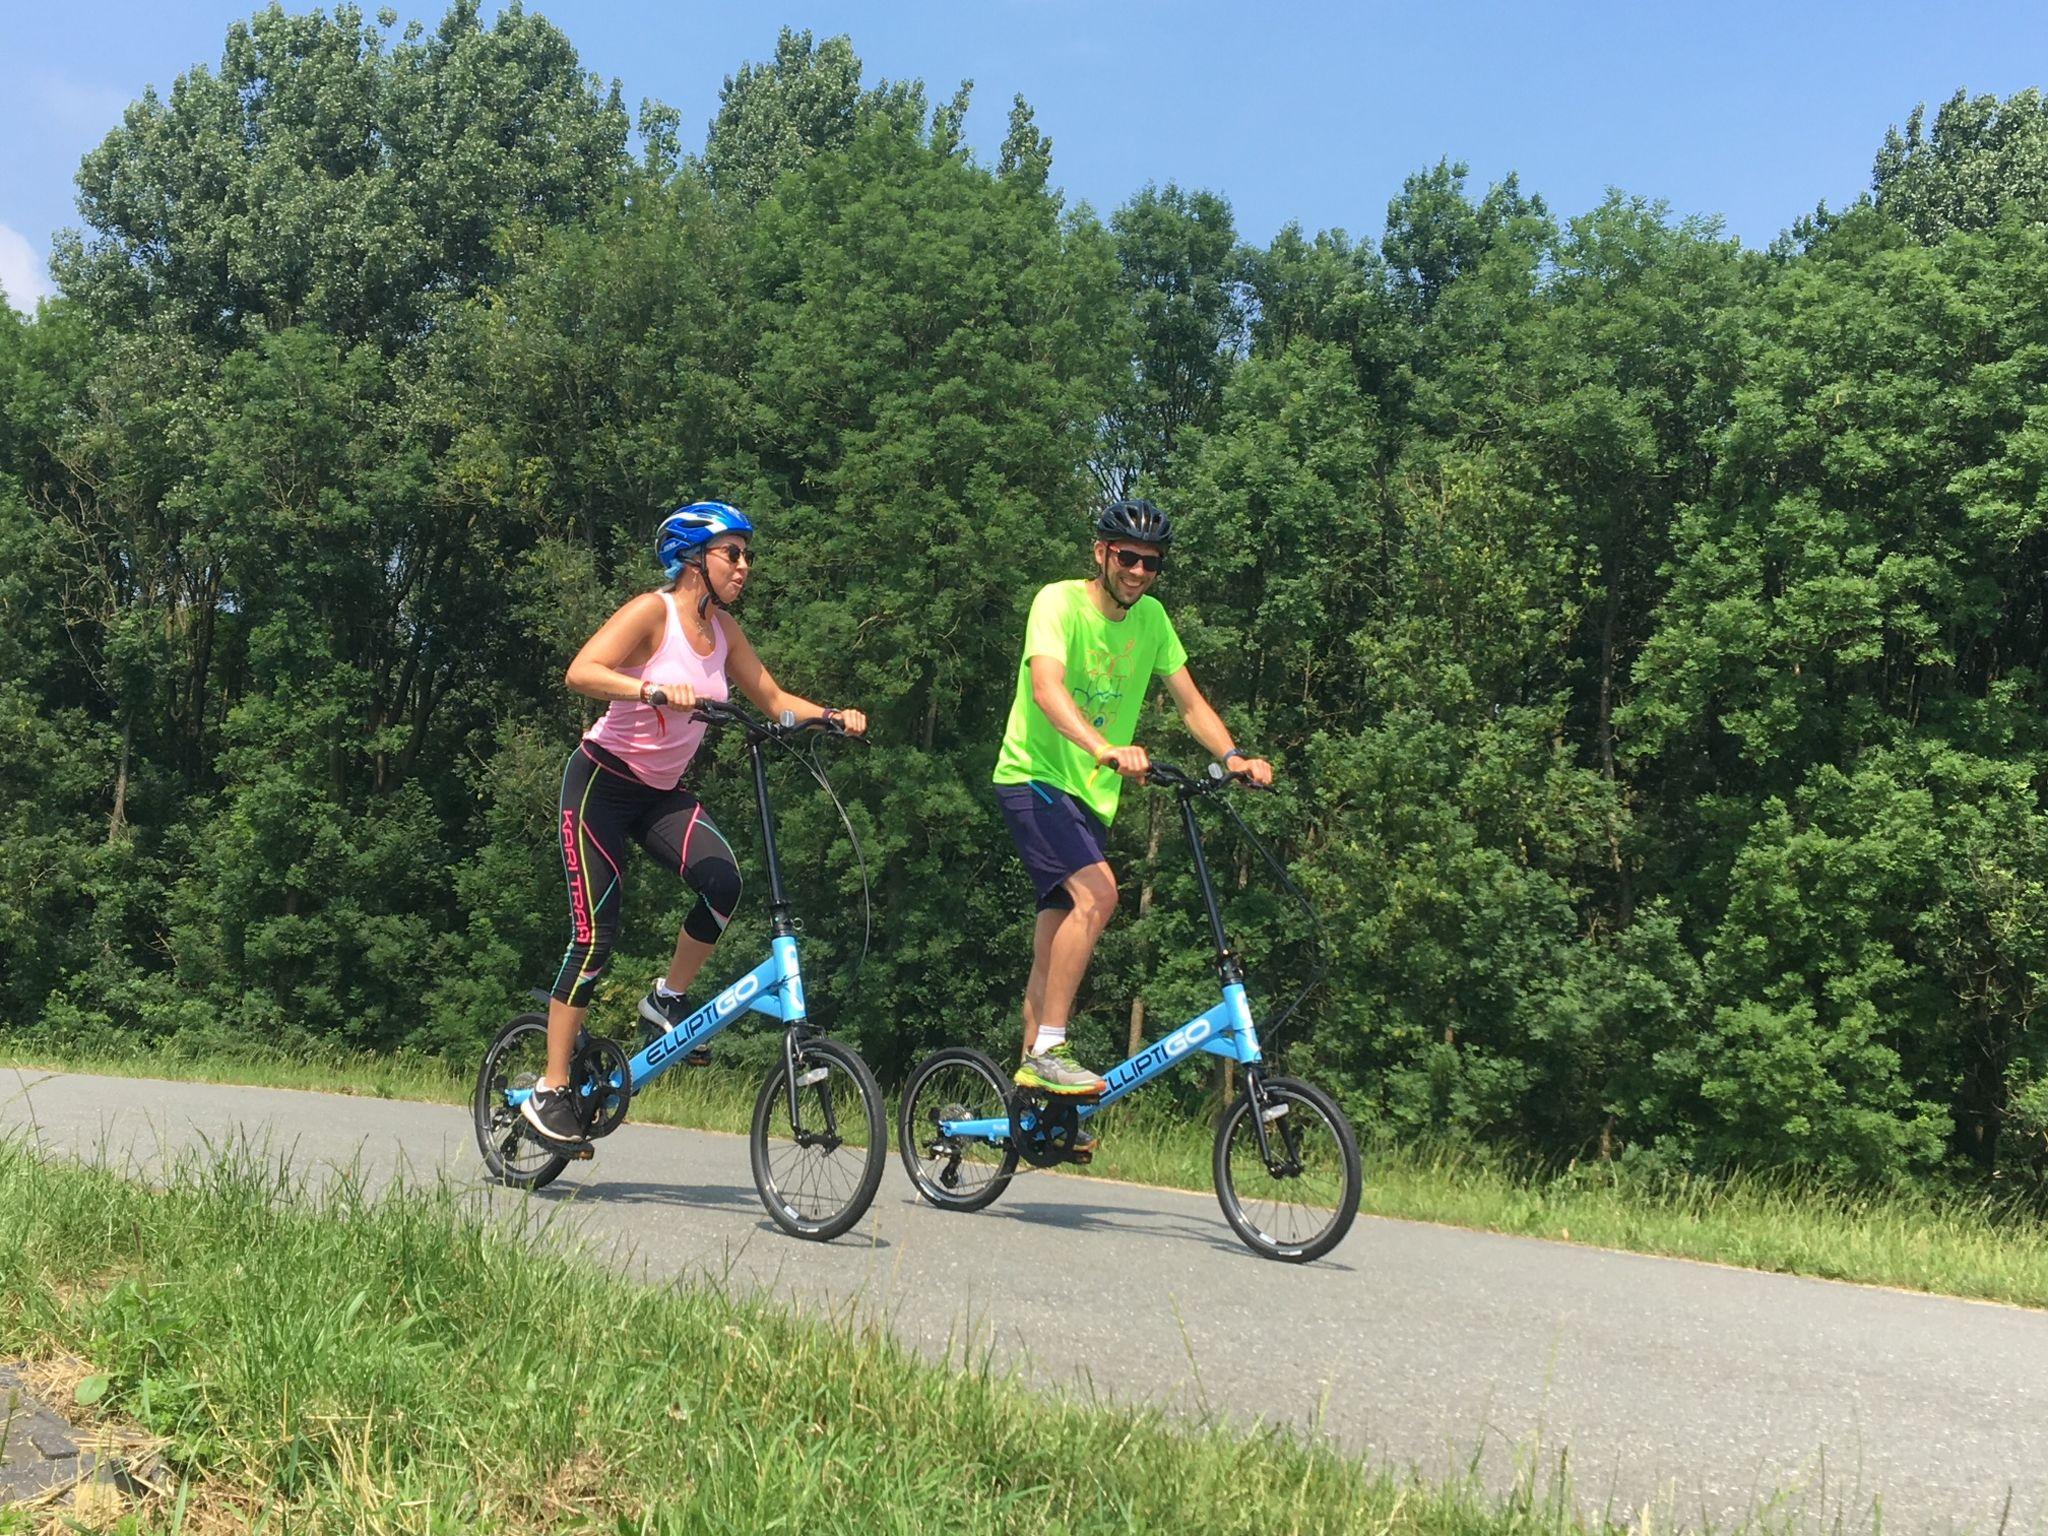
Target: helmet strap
(709,599)
(1108,586)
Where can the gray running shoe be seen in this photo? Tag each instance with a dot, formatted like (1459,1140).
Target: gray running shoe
(1056,1071)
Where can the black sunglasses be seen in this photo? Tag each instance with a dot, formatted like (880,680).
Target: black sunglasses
(1131,560)
(738,554)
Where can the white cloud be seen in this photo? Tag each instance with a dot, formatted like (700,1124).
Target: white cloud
(23,271)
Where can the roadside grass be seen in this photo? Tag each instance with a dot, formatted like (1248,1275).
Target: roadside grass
(1948,1244)
(310,1358)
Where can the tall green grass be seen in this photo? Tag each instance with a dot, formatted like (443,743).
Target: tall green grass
(326,1362)
(1949,1244)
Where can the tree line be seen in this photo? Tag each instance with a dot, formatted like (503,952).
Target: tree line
(1648,630)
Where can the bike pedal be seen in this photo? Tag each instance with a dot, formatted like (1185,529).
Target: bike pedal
(814,1076)
(582,1154)
(1083,1155)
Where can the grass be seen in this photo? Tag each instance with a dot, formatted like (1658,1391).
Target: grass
(1951,1245)
(325,1362)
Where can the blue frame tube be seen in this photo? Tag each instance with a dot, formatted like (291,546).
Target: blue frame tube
(1225,1030)
(774,987)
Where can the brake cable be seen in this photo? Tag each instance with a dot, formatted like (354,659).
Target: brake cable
(1322,958)
(860,855)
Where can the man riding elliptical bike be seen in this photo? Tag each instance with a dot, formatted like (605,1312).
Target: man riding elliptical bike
(1091,650)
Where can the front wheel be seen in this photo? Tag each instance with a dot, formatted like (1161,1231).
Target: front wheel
(513,1154)
(817,1170)
(1293,1200)
(955,1173)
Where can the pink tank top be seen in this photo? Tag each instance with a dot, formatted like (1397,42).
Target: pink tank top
(657,744)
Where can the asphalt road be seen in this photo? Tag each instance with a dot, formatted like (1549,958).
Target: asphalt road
(1708,1395)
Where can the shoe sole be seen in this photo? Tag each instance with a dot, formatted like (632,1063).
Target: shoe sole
(1070,1090)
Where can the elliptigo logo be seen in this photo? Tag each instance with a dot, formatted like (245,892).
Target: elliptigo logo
(736,994)
(691,1030)
(1177,1044)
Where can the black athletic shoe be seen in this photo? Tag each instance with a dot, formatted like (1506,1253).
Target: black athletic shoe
(661,1015)
(552,1115)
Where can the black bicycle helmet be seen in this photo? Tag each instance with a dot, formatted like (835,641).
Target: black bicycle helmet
(1136,520)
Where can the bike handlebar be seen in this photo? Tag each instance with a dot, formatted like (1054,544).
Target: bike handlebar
(1215,777)
(712,712)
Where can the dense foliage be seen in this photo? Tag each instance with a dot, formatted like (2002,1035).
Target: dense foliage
(1649,631)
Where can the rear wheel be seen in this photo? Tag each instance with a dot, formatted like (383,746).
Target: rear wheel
(1294,1200)
(818,1172)
(513,1153)
(955,1173)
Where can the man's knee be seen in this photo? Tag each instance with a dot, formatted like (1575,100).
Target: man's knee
(1094,893)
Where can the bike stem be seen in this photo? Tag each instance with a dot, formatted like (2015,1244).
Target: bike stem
(1229,969)
(780,924)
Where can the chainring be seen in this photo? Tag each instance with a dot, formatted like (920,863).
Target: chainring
(1044,1127)
(602,1076)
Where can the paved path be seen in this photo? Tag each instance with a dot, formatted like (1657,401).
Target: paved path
(1709,1394)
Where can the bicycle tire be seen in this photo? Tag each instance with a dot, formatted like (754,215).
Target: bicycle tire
(959,1077)
(817,1192)
(1314,1131)
(513,1155)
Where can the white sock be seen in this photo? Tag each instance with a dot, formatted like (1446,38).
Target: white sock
(1049,1035)
(663,989)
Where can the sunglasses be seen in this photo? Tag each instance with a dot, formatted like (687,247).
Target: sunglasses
(736,554)
(1131,560)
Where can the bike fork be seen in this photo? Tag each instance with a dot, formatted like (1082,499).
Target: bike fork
(1254,1088)
(792,1057)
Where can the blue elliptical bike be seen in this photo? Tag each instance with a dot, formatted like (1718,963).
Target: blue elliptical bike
(1286,1160)
(819,1136)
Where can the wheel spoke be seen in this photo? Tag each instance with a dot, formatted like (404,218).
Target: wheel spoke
(958,1166)
(1296,1196)
(818,1174)
(515,1061)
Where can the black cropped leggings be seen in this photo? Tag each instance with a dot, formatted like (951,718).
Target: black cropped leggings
(603,806)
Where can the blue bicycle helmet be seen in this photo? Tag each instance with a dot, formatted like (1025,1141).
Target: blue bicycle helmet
(685,532)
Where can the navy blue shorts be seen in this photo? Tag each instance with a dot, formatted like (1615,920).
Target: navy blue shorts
(1055,836)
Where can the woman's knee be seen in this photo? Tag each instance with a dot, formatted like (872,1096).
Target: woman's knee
(717,884)
(717,881)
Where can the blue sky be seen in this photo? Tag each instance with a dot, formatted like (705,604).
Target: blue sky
(1308,112)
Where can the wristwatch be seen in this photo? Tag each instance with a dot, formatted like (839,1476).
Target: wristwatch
(1237,752)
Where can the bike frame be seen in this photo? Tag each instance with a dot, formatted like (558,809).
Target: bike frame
(774,987)
(1226,1030)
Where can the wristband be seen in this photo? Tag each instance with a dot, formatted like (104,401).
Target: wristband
(1236,752)
(830,713)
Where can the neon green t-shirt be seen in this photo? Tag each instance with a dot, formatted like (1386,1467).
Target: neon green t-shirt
(1109,667)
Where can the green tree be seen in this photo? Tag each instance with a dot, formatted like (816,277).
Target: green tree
(1177,253)
(933,344)
(1981,160)
(773,117)
(325,175)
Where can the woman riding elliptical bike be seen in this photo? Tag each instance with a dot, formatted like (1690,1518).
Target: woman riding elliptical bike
(650,663)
